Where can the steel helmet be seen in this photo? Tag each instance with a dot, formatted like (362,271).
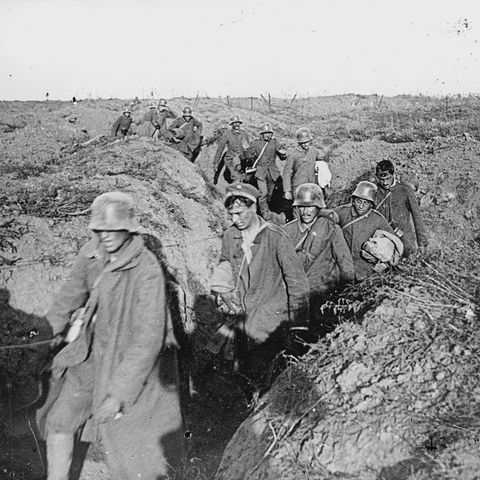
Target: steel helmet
(162,102)
(266,128)
(235,119)
(113,211)
(127,110)
(303,135)
(309,195)
(187,111)
(366,190)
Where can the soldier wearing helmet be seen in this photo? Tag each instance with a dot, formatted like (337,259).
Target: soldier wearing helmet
(397,202)
(164,113)
(186,134)
(321,247)
(122,126)
(109,382)
(359,221)
(150,123)
(304,165)
(235,140)
(262,154)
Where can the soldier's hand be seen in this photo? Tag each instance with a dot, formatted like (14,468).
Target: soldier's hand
(288,195)
(108,409)
(57,340)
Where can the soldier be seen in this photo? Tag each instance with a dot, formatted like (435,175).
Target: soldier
(187,134)
(150,122)
(264,168)
(271,286)
(117,379)
(396,201)
(359,221)
(236,140)
(320,245)
(121,127)
(304,165)
(164,113)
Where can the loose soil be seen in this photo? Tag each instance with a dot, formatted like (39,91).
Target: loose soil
(351,405)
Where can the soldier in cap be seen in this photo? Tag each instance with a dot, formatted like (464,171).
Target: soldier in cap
(396,201)
(115,379)
(187,134)
(121,126)
(321,247)
(263,153)
(359,221)
(150,123)
(270,284)
(236,141)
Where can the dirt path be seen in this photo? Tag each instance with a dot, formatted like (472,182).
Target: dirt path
(212,413)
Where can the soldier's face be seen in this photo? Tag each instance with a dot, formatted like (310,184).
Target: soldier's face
(267,136)
(305,145)
(241,215)
(386,180)
(361,205)
(112,240)
(307,214)
(236,126)
(126,114)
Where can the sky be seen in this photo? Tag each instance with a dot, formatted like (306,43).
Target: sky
(127,48)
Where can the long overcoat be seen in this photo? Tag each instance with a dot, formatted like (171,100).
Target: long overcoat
(399,206)
(273,287)
(357,230)
(132,358)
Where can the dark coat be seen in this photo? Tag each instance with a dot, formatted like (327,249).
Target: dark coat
(131,358)
(300,168)
(358,233)
(191,132)
(400,208)
(150,123)
(121,125)
(235,142)
(266,164)
(324,254)
(274,287)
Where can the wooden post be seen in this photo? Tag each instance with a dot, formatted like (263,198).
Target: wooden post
(195,102)
(380,102)
(264,99)
(251,103)
(292,100)
(446,105)
(269,102)
(228,101)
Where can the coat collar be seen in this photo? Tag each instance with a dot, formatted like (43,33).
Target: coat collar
(128,258)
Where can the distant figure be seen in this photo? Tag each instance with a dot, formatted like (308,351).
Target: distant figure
(46,96)
(304,165)
(121,127)
(236,141)
(74,100)
(187,134)
(150,124)
(164,113)
(397,203)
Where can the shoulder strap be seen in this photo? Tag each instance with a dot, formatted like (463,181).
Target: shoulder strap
(355,220)
(305,235)
(384,198)
(260,155)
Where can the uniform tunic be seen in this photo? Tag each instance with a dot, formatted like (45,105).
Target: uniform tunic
(274,287)
(300,168)
(150,123)
(357,233)
(192,130)
(124,353)
(399,206)
(121,125)
(236,141)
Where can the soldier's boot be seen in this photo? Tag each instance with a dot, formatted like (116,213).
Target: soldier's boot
(59,455)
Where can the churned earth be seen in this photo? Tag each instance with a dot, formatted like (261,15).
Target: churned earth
(391,393)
